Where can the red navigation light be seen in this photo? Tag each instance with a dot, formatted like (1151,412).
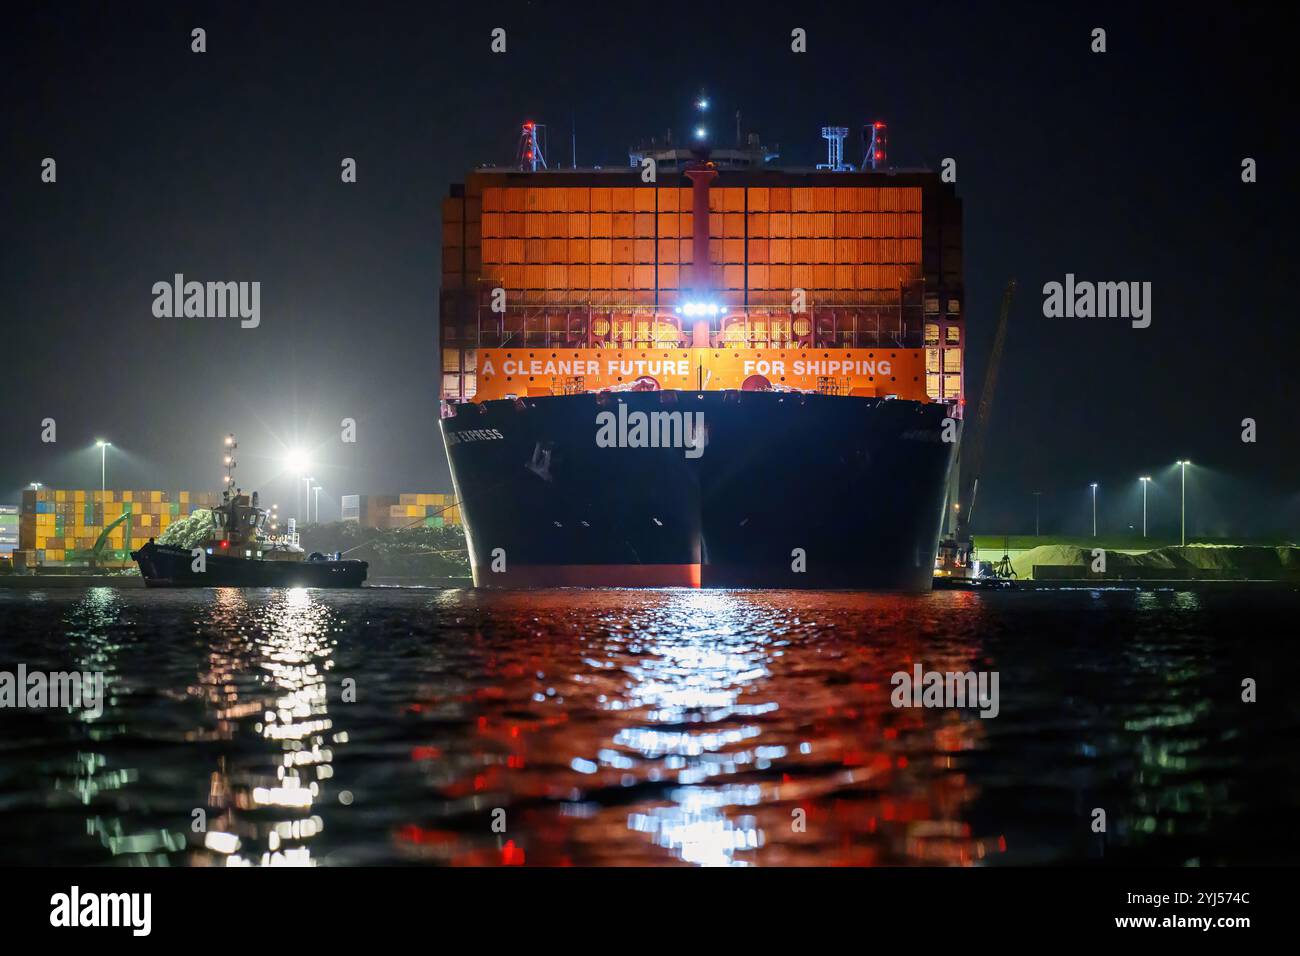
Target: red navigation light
(225,544)
(879,125)
(528,125)
(528,155)
(879,155)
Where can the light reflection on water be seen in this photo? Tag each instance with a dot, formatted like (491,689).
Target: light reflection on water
(647,727)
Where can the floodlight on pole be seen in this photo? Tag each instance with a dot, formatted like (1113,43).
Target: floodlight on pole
(1094,509)
(103,463)
(1146,480)
(1183,520)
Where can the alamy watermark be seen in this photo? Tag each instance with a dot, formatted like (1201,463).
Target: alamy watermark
(651,430)
(922,688)
(209,300)
(1100,300)
(78,909)
(71,690)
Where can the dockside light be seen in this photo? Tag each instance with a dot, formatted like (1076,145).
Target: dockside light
(694,309)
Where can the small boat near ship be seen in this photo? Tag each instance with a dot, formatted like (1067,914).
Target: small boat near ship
(242,551)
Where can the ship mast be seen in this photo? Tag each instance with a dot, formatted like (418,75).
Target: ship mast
(230,462)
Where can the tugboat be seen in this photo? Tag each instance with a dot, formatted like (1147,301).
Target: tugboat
(242,552)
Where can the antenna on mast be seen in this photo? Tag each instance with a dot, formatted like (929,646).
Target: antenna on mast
(875,146)
(530,148)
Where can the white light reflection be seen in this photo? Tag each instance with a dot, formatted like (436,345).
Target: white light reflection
(690,662)
(268,676)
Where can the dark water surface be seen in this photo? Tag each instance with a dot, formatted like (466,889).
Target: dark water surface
(650,727)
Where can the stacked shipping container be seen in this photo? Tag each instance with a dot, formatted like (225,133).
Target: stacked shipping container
(407,510)
(603,260)
(58,526)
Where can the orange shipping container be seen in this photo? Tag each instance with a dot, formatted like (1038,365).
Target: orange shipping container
(758,199)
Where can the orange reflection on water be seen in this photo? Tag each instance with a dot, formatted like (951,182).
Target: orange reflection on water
(708,728)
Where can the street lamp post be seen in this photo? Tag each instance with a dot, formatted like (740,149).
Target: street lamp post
(1145,479)
(1037,495)
(308,479)
(103,464)
(1183,520)
(1094,509)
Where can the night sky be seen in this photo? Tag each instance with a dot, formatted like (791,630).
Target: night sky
(225,166)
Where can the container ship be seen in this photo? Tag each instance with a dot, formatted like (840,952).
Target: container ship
(702,369)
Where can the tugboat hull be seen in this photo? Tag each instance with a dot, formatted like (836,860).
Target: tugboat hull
(163,566)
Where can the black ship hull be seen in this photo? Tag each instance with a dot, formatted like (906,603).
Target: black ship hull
(163,566)
(787,491)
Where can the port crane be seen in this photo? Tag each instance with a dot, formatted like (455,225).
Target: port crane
(956,553)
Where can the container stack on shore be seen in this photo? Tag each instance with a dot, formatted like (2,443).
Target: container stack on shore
(408,510)
(60,527)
